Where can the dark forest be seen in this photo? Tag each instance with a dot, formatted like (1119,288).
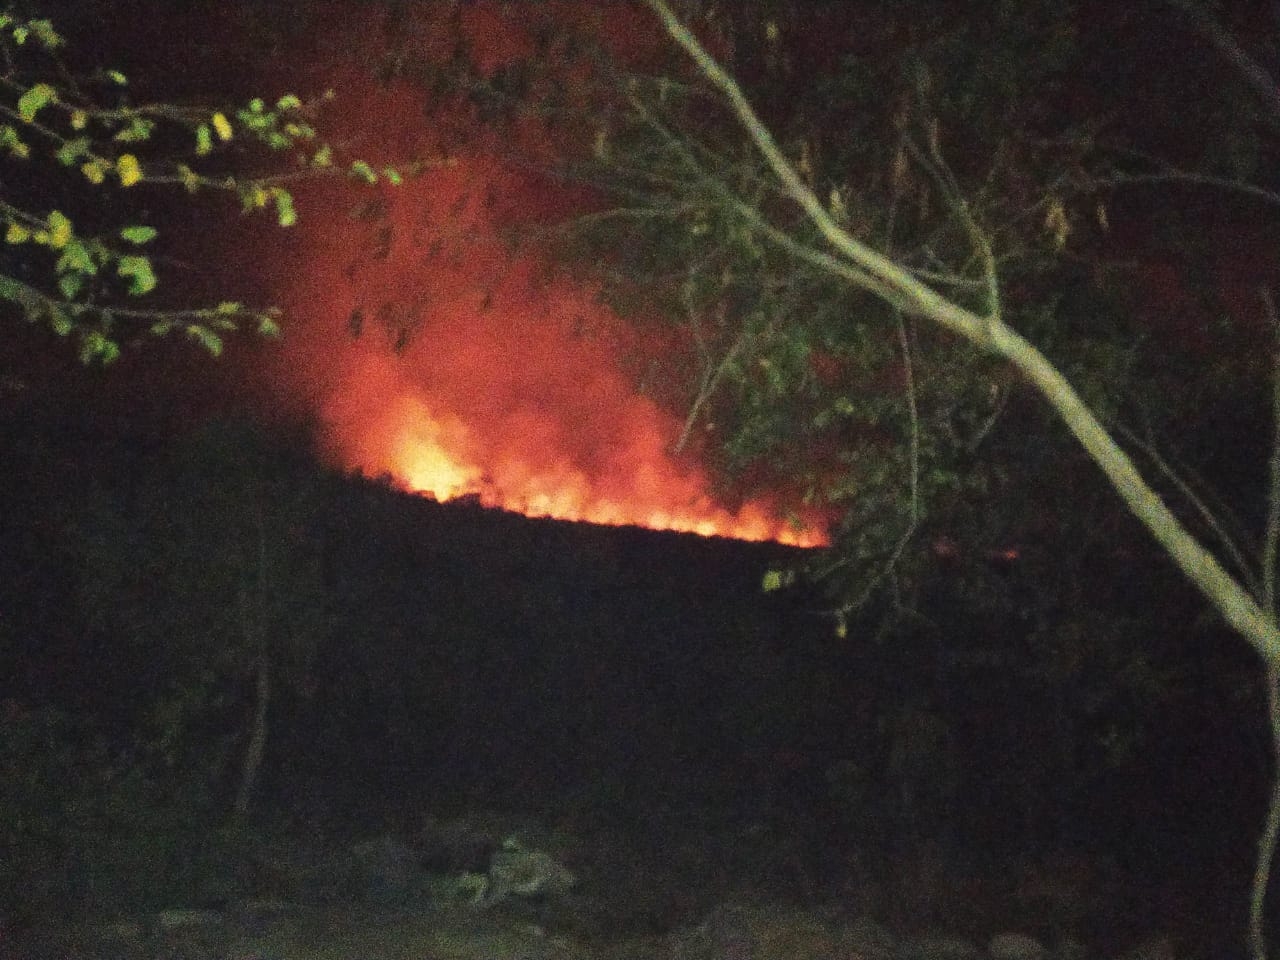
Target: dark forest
(472,487)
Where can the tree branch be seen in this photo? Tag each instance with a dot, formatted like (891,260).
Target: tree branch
(1204,570)
(1264,85)
(917,298)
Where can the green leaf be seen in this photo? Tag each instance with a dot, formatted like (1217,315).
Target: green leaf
(73,150)
(288,102)
(60,320)
(95,170)
(204,140)
(364,171)
(190,179)
(19,293)
(44,32)
(95,345)
(38,97)
(139,129)
(253,196)
(76,259)
(777,579)
(118,78)
(60,230)
(128,169)
(267,326)
(323,157)
(70,285)
(11,141)
(285,213)
(138,235)
(137,270)
(255,120)
(222,126)
(206,338)
(228,308)
(393,176)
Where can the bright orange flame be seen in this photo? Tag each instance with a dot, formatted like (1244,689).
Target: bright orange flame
(430,353)
(438,455)
(504,403)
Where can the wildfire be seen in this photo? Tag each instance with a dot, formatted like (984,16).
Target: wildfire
(440,455)
(425,350)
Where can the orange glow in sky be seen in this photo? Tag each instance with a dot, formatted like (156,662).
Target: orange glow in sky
(427,350)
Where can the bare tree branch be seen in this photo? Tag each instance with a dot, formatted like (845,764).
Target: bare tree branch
(1220,37)
(1240,609)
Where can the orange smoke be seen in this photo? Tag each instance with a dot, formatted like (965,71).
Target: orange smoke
(430,353)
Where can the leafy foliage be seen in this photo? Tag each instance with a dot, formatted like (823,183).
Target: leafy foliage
(71,264)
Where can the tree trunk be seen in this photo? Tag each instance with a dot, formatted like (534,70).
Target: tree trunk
(257,739)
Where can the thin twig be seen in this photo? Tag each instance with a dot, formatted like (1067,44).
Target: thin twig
(914,414)
(1197,503)
(908,293)
(1271,829)
(1264,85)
(1191,179)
